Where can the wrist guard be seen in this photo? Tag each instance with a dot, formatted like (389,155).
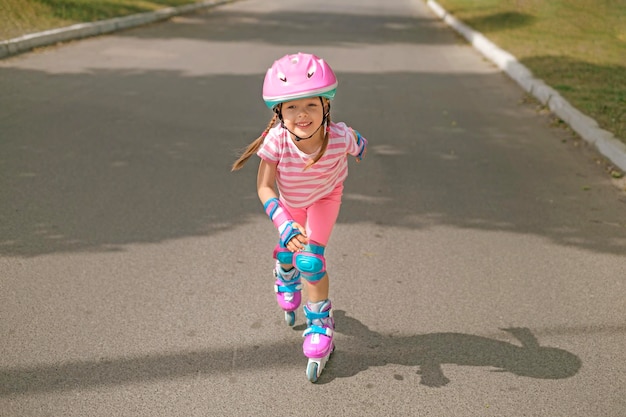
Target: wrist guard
(281,218)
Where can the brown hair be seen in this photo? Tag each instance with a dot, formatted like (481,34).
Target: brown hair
(253,147)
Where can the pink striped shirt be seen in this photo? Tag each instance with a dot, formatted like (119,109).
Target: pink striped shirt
(298,187)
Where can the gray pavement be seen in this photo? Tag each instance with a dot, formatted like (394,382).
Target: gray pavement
(477,267)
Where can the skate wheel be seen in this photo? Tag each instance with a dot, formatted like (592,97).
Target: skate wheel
(290,318)
(311,371)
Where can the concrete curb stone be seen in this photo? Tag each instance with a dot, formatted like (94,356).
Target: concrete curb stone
(82,30)
(606,143)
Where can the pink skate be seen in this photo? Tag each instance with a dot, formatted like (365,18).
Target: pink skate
(318,337)
(288,292)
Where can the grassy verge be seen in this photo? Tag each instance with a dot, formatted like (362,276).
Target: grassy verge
(576,46)
(19,17)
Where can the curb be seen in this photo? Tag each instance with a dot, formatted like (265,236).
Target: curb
(31,41)
(608,145)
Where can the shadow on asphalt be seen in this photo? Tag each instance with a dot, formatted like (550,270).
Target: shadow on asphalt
(429,352)
(361,350)
(106,157)
(99,160)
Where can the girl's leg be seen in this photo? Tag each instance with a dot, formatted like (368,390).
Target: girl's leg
(319,220)
(318,291)
(318,337)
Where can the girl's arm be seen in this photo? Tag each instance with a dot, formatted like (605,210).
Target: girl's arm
(265,181)
(292,235)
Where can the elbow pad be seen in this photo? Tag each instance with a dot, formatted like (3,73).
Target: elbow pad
(361,142)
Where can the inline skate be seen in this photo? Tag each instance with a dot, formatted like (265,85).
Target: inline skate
(288,292)
(318,337)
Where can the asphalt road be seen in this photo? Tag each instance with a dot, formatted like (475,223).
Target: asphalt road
(477,267)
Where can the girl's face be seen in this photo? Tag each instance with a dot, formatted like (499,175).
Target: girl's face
(304,116)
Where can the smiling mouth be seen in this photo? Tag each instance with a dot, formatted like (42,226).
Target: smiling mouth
(303,125)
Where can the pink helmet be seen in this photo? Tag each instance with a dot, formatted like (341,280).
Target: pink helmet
(298,76)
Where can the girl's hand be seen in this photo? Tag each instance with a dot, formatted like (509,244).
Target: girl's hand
(297,242)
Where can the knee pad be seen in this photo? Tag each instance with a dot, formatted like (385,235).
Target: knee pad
(284,256)
(311,262)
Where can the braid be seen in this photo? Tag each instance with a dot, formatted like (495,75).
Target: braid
(252,148)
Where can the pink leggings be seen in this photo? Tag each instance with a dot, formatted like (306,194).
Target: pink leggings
(320,217)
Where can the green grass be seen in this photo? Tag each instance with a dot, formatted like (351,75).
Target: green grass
(20,17)
(576,46)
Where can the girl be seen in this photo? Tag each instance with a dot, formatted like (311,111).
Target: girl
(304,155)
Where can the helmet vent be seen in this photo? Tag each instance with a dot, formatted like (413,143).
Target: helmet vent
(311,70)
